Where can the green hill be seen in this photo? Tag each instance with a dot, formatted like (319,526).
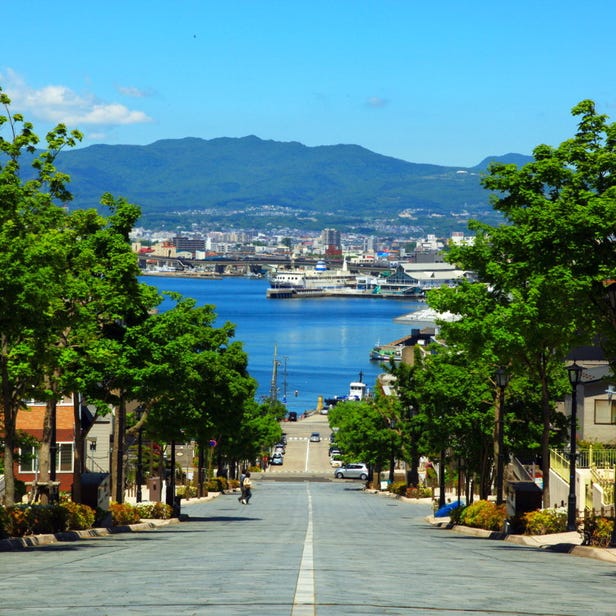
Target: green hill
(251,182)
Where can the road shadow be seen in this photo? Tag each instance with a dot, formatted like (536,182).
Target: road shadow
(220,518)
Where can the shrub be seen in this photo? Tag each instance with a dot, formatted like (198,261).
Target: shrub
(123,513)
(544,522)
(398,487)
(5,522)
(79,517)
(420,492)
(154,511)
(598,531)
(484,514)
(22,520)
(217,484)
(455,515)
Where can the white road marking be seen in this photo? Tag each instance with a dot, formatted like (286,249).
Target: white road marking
(303,602)
(307,456)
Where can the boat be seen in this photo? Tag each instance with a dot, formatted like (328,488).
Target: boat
(314,278)
(394,350)
(358,390)
(386,352)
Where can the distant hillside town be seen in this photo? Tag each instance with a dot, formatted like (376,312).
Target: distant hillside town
(330,244)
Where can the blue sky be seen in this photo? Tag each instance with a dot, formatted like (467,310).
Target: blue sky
(429,82)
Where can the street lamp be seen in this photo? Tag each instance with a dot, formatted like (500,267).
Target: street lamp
(139,479)
(502,378)
(575,378)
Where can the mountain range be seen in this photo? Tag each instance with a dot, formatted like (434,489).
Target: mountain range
(250,182)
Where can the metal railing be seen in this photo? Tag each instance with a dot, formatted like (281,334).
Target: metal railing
(606,482)
(559,463)
(600,462)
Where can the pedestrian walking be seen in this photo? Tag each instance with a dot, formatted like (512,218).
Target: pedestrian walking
(242,478)
(247,488)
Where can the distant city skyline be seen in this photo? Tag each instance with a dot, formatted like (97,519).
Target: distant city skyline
(446,83)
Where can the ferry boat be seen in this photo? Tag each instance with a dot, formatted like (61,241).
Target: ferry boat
(317,278)
(358,390)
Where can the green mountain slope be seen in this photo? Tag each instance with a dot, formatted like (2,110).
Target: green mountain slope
(255,182)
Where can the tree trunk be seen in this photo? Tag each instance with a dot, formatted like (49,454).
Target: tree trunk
(44,453)
(545,443)
(78,461)
(117,457)
(9,413)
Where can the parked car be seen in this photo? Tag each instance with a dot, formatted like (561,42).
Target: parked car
(336,461)
(276,459)
(352,471)
(283,438)
(292,416)
(280,448)
(315,437)
(334,450)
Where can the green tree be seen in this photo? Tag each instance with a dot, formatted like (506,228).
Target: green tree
(367,431)
(543,270)
(31,264)
(191,376)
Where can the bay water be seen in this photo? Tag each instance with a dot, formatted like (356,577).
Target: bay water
(322,344)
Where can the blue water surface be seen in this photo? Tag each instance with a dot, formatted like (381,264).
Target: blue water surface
(324,342)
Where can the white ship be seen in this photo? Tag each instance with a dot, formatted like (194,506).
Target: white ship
(319,277)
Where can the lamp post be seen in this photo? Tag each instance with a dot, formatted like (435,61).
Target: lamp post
(502,378)
(139,479)
(575,378)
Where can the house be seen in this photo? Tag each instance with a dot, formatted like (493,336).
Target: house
(596,405)
(97,445)
(30,420)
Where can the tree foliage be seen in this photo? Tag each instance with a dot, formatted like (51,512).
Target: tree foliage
(74,317)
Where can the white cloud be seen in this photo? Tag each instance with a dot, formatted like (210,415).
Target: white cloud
(133,92)
(376,102)
(57,103)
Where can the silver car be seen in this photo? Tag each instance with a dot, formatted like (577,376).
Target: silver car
(352,471)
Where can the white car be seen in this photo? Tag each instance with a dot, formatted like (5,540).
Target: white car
(352,471)
(335,461)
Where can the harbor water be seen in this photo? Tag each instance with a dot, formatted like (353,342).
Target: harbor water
(322,343)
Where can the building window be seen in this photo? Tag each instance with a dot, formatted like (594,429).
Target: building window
(29,459)
(605,411)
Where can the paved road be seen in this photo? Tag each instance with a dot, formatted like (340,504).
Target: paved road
(302,548)
(302,455)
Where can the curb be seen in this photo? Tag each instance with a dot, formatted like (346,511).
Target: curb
(19,543)
(541,542)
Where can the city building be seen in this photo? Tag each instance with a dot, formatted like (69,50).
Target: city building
(330,239)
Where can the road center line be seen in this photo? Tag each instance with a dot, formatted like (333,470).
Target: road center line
(303,602)
(307,457)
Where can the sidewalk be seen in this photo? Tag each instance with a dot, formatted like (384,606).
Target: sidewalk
(569,542)
(18,543)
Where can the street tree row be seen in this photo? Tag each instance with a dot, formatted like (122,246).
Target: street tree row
(543,285)
(75,318)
